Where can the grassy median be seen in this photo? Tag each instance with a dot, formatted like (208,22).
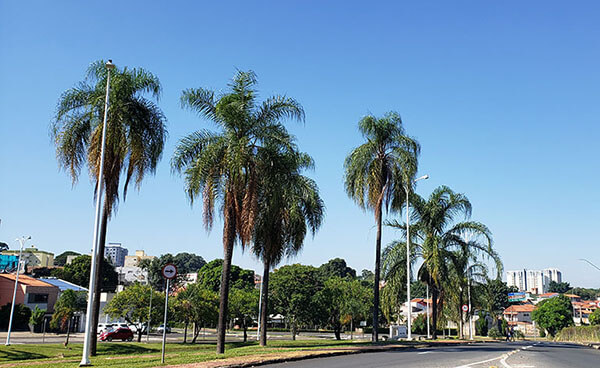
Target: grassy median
(133,355)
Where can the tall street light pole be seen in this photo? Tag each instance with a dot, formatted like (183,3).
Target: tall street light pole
(22,241)
(407,190)
(87,342)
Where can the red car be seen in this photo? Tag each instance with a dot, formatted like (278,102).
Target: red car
(122,333)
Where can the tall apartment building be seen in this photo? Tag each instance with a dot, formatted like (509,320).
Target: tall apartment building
(115,253)
(517,278)
(533,281)
(553,274)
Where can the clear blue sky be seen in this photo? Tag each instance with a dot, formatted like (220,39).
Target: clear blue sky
(503,97)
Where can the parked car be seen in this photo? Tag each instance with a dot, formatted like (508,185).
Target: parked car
(120,333)
(104,327)
(162,327)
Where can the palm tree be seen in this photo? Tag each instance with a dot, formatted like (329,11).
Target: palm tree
(376,175)
(135,138)
(439,240)
(289,206)
(221,166)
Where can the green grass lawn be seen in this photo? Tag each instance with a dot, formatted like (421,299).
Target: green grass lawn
(133,355)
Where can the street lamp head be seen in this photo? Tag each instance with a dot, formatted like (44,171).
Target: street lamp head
(424,177)
(110,64)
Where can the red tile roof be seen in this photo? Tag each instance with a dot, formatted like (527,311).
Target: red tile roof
(25,280)
(517,308)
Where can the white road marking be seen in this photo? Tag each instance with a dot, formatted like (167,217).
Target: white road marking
(502,358)
(424,352)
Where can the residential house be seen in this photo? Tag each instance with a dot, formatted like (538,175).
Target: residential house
(30,292)
(518,316)
(34,257)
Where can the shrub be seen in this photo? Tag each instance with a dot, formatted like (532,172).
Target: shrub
(542,332)
(518,334)
(494,333)
(419,325)
(595,318)
(481,326)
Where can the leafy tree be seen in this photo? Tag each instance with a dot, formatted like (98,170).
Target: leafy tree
(342,301)
(558,287)
(553,314)
(37,316)
(336,268)
(493,296)
(188,262)
(20,319)
(69,303)
(594,318)
(438,239)
(377,174)
(38,272)
(154,268)
(222,165)
(133,303)
(135,138)
(61,259)
(3,246)
(293,288)
(289,206)
(367,277)
(243,305)
(585,293)
(209,276)
(78,272)
(198,306)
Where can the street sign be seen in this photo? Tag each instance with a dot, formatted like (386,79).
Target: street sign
(465,308)
(598,304)
(516,297)
(169,271)
(363,323)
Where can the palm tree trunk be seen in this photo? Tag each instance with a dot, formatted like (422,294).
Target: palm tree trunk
(264,303)
(98,281)
(228,242)
(434,298)
(68,331)
(378,213)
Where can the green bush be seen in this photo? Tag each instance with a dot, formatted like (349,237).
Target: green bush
(595,318)
(495,333)
(481,325)
(20,319)
(518,334)
(419,325)
(542,332)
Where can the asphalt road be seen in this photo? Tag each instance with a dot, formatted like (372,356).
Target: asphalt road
(506,355)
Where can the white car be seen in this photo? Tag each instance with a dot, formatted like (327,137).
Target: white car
(104,327)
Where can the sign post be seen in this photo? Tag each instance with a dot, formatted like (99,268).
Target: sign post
(169,271)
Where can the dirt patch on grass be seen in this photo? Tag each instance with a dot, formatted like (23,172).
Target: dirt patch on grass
(36,362)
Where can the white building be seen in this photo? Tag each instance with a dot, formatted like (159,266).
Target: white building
(553,274)
(533,281)
(115,253)
(129,275)
(537,283)
(517,278)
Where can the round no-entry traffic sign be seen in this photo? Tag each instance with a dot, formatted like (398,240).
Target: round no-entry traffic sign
(465,308)
(169,271)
